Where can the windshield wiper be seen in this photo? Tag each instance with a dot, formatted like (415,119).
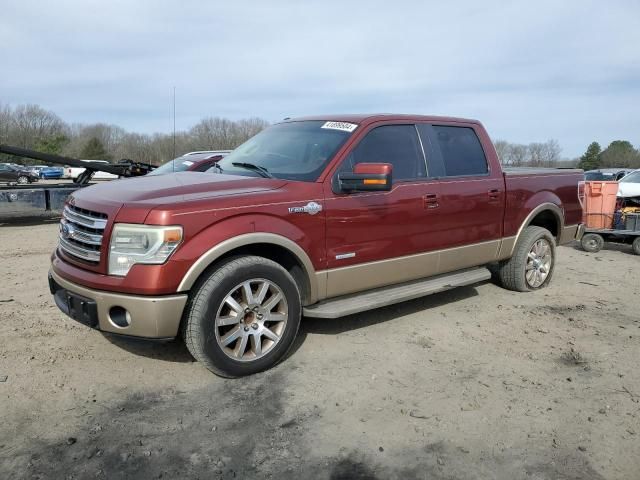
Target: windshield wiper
(256,168)
(217,167)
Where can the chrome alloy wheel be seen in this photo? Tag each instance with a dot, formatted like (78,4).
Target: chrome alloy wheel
(538,263)
(251,320)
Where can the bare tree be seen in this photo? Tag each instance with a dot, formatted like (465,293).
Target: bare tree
(31,124)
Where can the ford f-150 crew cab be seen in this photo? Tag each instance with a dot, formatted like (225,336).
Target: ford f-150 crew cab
(318,217)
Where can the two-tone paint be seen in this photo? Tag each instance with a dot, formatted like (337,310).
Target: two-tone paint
(350,242)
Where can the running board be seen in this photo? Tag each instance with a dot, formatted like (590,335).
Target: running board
(381,297)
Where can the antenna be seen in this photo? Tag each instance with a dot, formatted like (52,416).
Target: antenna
(174,122)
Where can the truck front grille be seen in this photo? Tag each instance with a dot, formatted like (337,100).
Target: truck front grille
(81,233)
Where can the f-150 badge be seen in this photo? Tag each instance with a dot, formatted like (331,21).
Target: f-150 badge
(311,208)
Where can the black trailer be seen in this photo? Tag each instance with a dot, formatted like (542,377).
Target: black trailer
(23,200)
(594,238)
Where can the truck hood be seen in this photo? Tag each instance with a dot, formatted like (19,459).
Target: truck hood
(146,193)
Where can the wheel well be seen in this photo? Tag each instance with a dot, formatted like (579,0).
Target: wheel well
(547,219)
(276,253)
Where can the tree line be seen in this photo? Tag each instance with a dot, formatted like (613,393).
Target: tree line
(35,128)
(619,154)
(536,154)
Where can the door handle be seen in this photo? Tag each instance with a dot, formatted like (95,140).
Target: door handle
(430,200)
(494,194)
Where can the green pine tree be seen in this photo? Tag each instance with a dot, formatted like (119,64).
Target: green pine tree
(591,158)
(52,144)
(94,150)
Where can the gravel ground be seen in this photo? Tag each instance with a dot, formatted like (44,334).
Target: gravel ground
(475,383)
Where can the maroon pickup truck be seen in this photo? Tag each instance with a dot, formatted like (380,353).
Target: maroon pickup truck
(318,217)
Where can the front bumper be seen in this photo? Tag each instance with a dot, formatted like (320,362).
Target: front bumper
(134,315)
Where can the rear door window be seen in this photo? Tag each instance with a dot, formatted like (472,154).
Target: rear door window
(395,144)
(458,149)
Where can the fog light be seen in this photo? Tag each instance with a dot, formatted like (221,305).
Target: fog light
(119,317)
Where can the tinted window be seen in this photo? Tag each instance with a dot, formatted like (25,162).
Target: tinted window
(591,176)
(461,151)
(394,144)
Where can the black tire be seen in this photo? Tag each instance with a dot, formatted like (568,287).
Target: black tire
(208,299)
(22,179)
(511,273)
(636,246)
(592,242)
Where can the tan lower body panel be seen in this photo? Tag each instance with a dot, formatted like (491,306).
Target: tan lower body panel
(151,317)
(569,234)
(357,278)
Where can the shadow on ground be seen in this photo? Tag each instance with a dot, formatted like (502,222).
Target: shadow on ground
(385,314)
(176,351)
(244,429)
(169,351)
(28,221)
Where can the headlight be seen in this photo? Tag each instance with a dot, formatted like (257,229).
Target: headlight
(146,244)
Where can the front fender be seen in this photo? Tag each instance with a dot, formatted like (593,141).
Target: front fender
(232,233)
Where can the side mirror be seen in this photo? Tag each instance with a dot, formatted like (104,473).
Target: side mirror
(366,177)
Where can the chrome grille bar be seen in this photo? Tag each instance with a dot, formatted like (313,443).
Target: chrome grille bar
(84,220)
(74,233)
(81,233)
(80,252)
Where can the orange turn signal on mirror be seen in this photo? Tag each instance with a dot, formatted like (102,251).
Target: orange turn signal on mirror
(375,181)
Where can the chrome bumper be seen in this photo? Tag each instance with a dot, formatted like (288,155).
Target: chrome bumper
(135,315)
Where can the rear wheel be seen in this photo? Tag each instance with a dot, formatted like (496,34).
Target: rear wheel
(22,179)
(244,317)
(592,242)
(531,266)
(636,246)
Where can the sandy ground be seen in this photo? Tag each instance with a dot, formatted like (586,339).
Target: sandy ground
(475,383)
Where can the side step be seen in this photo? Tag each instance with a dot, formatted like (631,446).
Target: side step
(381,297)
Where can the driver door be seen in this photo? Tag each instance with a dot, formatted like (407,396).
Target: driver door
(372,237)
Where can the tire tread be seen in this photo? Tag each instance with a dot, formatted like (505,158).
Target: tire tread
(509,272)
(197,305)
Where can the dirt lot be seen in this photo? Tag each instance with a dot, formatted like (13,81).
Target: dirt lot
(475,383)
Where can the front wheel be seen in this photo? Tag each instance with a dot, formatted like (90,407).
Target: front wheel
(532,264)
(636,246)
(22,179)
(243,317)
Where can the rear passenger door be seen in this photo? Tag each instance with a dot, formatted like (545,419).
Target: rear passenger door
(470,195)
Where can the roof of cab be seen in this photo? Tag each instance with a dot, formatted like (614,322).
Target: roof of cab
(365,118)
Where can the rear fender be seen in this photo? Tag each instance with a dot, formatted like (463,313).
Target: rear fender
(540,202)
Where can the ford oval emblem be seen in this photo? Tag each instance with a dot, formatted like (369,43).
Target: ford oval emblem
(66,230)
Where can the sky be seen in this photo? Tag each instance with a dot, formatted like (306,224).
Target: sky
(530,71)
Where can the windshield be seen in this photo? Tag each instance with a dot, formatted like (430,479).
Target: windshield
(179,164)
(292,151)
(633,177)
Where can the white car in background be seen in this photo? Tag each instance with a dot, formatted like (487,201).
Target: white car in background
(74,172)
(629,185)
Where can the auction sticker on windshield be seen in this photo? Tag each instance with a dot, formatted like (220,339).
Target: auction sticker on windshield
(344,126)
